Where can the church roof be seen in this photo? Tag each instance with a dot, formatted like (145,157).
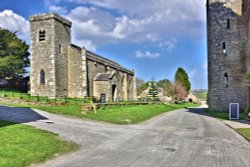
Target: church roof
(102,77)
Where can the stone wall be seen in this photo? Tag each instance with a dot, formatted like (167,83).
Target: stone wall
(220,13)
(49,55)
(42,57)
(97,64)
(76,73)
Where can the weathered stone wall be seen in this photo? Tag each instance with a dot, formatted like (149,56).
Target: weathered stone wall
(76,73)
(45,55)
(97,64)
(42,57)
(102,87)
(234,61)
(62,37)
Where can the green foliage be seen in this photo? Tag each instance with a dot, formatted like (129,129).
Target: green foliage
(182,78)
(13,54)
(166,85)
(142,87)
(223,115)
(200,94)
(22,145)
(153,93)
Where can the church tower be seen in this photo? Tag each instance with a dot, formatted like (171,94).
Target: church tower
(227,53)
(50,38)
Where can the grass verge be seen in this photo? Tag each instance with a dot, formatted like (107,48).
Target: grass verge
(22,145)
(244,132)
(113,114)
(223,115)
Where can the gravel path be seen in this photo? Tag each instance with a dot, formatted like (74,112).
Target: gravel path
(181,138)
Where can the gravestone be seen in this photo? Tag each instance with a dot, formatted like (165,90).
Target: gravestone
(103,98)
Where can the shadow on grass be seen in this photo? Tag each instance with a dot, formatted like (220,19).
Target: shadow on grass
(18,115)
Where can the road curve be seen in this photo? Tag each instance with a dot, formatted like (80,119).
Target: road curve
(181,138)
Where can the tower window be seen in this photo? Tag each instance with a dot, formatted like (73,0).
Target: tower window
(224,48)
(226,79)
(42,35)
(60,49)
(42,77)
(228,24)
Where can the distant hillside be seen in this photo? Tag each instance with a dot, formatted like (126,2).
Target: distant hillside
(200,93)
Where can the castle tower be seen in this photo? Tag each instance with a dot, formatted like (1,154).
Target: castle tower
(50,38)
(227,53)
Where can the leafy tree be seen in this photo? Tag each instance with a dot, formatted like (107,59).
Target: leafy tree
(142,87)
(182,78)
(166,85)
(13,54)
(178,91)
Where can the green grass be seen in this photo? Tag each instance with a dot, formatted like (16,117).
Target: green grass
(114,114)
(223,115)
(245,132)
(22,145)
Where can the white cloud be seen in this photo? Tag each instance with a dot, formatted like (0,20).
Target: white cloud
(193,73)
(58,9)
(155,21)
(15,23)
(146,54)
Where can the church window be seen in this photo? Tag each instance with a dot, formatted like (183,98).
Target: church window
(226,79)
(228,24)
(224,49)
(42,77)
(60,49)
(42,35)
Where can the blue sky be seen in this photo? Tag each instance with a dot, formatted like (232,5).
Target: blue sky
(153,37)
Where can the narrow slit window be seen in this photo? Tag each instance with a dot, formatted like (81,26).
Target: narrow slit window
(42,77)
(42,35)
(60,49)
(226,79)
(228,24)
(224,49)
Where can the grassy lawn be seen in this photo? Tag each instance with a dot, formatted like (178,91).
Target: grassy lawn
(223,115)
(245,132)
(22,145)
(115,114)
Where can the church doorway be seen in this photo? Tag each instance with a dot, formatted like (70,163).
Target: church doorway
(114,92)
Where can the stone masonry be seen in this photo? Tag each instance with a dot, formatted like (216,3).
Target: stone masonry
(228,53)
(60,69)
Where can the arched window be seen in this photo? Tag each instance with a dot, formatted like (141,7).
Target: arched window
(226,79)
(42,77)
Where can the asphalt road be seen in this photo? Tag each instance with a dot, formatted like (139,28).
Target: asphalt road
(180,138)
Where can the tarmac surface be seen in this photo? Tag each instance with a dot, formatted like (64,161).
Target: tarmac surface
(181,138)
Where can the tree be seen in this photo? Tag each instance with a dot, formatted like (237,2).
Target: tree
(153,93)
(178,92)
(166,85)
(182,78)
(13,55)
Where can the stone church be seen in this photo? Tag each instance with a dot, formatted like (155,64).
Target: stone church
(228,38)
(62,69)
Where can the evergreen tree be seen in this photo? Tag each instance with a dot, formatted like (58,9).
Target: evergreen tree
(182,78)
(153,93)
(13,55)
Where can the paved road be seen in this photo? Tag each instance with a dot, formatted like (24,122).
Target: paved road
(180,138)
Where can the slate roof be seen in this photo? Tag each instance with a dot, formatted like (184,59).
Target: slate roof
(102,77)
